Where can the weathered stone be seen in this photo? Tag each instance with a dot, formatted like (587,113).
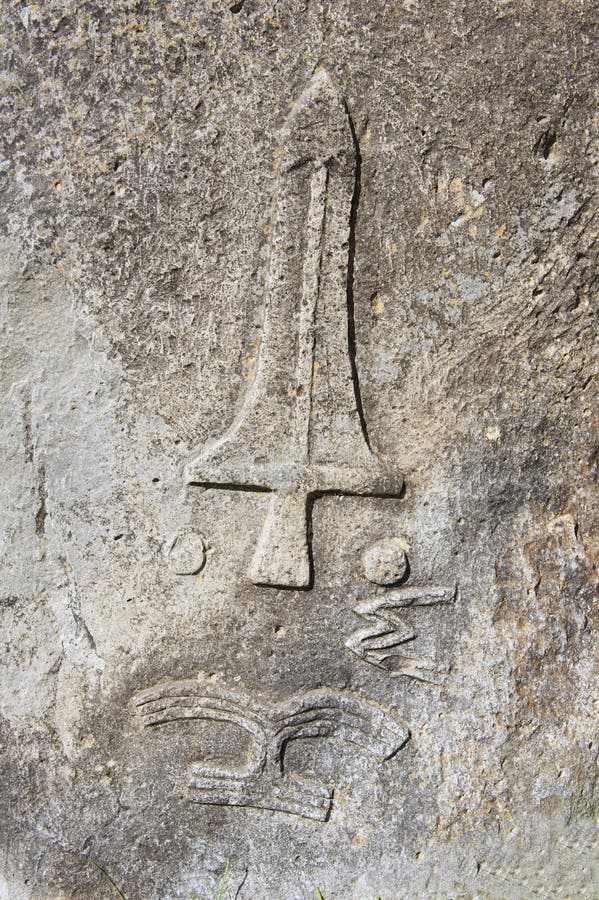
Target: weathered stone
(385,562)
(299,517)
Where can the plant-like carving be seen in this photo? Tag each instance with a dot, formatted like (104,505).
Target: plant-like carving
(263,781)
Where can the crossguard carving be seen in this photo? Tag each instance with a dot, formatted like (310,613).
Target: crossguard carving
(262,782)
(299,432)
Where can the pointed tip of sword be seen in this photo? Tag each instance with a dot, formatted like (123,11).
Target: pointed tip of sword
(320,86)
(318,128)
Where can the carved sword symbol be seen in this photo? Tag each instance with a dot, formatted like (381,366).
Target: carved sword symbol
(300,433)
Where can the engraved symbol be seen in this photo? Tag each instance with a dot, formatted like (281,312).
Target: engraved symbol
(388,630)
(300,432)
(385,562)
(186,553)
(263,782)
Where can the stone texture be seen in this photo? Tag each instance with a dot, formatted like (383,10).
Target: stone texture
(145,152)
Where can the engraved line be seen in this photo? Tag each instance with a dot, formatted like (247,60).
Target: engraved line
(351,325)
(309,301)
(233,486)
(385,631)
(303,806)
(177,699)
(261,781)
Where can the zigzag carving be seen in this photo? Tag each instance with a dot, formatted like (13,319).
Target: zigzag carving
(263,782)
(387,630)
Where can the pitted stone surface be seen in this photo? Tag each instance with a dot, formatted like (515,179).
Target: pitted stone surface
(186,552)
(281,281)
(385,561)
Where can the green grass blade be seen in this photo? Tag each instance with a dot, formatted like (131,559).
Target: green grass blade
(106,876)
(223,883)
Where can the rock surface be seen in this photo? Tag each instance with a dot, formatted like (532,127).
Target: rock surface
(299,501)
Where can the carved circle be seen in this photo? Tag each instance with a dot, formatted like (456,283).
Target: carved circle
(385,561)
(186,553)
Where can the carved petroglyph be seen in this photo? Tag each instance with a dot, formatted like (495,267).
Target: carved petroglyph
(186,552)
(388,630)
(300,432)
(263,782)
(385,561)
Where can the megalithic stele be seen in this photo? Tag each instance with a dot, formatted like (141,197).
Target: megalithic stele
(300,432)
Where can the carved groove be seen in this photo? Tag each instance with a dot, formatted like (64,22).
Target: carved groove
(300,432)
(263,782)
(386,631)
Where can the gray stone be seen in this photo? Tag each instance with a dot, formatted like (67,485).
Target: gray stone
(186,552)
(385,562)
(299,520)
